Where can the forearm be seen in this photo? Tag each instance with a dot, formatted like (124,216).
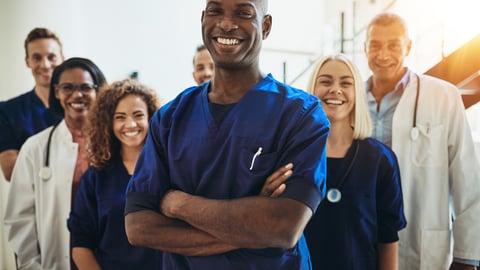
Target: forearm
(252,222)
(388,256)
(84,259)
(150,229)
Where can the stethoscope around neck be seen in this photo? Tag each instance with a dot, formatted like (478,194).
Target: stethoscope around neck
(414,131)
(45,172)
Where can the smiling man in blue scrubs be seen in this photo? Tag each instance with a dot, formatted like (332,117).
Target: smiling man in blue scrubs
(28,114)
(195,190)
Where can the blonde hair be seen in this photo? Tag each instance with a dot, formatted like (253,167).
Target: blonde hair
(359,117)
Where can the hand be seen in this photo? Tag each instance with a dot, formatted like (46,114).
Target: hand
(275,184)
(461,266)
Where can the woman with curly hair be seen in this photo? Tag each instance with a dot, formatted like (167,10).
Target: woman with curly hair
(117,129)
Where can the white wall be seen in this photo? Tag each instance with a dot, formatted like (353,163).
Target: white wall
(155,38)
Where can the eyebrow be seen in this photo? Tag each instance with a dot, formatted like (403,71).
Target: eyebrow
(330,76)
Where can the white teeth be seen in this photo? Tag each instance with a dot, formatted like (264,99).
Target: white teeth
(227,41)
(334,101)
(131,134)
(78,105)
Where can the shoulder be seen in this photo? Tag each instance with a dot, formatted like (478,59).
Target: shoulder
(377,148)
(429,83)
(16,103)
(288,92)
(183,99)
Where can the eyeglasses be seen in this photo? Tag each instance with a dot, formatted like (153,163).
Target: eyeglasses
(69,88)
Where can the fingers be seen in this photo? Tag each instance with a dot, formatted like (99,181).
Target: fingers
(279,190)
(278,173)
(274,185)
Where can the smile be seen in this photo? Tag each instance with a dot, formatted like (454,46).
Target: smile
(334,101)
(131,133)
(228,41)
(78,105)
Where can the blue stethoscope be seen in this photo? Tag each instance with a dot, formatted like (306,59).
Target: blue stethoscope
(46,172)
(414,131)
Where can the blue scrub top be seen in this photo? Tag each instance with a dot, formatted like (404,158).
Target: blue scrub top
(22,117)
(344,235)
(187,150)
(97,221)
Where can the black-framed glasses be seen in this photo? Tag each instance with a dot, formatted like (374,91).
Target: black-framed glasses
(69,88)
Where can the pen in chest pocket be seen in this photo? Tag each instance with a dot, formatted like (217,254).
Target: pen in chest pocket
(258,153)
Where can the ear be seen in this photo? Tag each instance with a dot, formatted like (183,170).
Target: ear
(408,47)
(266,25)
(26,62)
(194,78)
(57,92)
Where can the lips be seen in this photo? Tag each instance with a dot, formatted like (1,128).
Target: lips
(78,105)
(227,41)
(333,101)
(131,133)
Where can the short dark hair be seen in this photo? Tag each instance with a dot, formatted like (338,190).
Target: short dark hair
(39,33)
(200,48)
(74,62)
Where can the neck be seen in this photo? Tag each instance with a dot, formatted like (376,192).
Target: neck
(42,93)
(339,139)
(74,125)
(381,87)
(130,156)
(230,86)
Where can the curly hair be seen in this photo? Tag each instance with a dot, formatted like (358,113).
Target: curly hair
(103,145)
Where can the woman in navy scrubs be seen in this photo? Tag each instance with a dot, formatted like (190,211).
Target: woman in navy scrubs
(117,129)
(356,226)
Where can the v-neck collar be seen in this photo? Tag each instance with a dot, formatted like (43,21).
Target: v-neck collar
(205,108)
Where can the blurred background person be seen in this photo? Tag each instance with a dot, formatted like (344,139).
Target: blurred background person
(203,67)
(27,114)
(435,150)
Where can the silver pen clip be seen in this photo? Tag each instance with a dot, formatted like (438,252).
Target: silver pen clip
(259,151)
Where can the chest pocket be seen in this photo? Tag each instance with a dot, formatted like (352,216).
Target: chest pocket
(428,149)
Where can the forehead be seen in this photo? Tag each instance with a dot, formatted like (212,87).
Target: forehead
(43,46)
(203,56)
(391,32)
(75,75)
(335,68)
(131,102)
(254,3)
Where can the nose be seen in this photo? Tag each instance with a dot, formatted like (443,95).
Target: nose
(78,92)
(383,52)
(131,123)
(335,89)
(208,72)
(227,24)
(45,63)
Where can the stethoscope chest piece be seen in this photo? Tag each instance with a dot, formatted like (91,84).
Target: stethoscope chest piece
(414,133)
(45,173)
(334,195)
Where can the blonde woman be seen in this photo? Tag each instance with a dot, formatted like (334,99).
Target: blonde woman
(356,226)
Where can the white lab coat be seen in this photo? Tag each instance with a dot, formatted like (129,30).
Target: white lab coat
(440,174)
(37,209)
